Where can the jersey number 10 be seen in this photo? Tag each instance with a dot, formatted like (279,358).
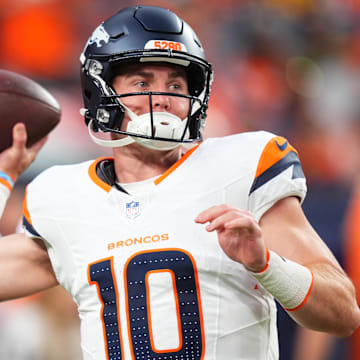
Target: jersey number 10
(182,269)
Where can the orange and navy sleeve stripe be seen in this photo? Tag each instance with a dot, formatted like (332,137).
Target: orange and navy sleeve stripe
(27,222)
(277,156)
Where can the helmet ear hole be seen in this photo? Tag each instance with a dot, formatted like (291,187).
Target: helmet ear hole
(195,126)
(196,79)
(109,120)
(118,117)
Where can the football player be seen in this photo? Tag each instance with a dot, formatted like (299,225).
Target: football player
(175,247)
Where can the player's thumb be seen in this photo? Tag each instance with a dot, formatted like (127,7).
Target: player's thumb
(19,136)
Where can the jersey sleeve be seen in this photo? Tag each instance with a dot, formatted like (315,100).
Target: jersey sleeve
(39,204)
(278,175)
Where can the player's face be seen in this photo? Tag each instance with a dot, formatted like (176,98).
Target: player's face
(157,78)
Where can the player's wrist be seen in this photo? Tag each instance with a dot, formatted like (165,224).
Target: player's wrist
(289,282)
(260,266)
(6,185)
(8,180)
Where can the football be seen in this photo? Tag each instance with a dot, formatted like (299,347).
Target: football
(24,100)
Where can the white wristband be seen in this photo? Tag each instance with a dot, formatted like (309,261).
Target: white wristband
(289,282)
(4,195)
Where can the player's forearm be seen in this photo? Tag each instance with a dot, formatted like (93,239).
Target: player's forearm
(320,296)
(331,306)
(25,267)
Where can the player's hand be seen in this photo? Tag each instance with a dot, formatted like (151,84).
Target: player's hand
(18,157)
(239,235)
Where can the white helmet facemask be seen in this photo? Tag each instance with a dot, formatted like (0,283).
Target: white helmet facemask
(165,125)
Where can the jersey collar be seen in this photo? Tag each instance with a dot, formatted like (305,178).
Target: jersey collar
(102,171)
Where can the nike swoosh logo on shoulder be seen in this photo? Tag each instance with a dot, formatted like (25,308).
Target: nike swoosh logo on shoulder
(283,146)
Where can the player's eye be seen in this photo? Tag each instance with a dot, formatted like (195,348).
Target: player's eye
(142,84)
(177,87)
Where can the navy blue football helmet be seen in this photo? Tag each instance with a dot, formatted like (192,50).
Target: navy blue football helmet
(141,34)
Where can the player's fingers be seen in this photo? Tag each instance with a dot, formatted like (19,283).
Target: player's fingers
(233,219)
(19,136)
(215,211)
(245,223)
(211,213)
(34,149)
(219,222)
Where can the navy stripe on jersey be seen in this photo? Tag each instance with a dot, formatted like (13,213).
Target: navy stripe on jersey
(30,228)
(291,159)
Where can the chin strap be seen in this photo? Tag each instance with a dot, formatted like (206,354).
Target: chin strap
(108,143)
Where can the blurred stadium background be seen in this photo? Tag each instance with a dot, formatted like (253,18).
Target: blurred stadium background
(288,66)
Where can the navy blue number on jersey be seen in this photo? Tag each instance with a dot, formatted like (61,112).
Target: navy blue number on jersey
(183,268)
(102,274)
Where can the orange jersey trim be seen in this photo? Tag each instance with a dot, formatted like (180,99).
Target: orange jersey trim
(26,212)
(95,178)
(6,184)
(105,186)
(274,151)
(175,166)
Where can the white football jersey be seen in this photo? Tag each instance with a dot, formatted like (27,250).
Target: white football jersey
(150,283)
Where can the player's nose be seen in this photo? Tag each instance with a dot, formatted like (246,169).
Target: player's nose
(161,102)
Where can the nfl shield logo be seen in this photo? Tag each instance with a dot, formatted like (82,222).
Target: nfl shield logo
(132,209)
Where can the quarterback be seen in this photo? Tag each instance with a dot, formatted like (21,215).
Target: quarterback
(176,247)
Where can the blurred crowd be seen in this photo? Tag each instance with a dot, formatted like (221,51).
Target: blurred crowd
(290,67)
